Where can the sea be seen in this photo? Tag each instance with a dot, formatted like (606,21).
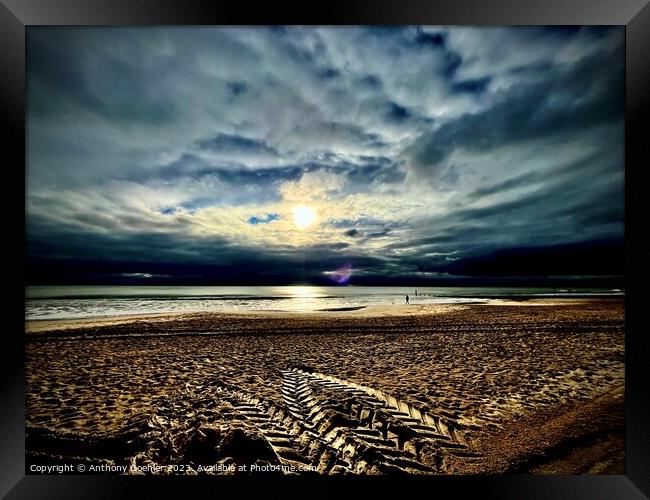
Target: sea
(72,302)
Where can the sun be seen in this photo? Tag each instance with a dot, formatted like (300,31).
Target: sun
(303,216)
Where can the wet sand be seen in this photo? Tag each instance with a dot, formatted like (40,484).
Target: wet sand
(507,387)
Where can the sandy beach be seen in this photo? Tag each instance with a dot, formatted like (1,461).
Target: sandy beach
(533,386)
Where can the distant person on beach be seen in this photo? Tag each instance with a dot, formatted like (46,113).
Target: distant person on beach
(407,299)
(416,293)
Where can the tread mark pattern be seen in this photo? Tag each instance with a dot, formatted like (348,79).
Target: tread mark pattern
(367,427)
(269,425)
(443,431)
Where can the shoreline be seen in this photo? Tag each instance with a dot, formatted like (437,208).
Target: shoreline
(33,326)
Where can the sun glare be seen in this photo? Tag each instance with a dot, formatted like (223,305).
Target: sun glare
(303,216)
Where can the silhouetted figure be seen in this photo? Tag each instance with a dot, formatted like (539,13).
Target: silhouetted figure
(416,293)
(407,299)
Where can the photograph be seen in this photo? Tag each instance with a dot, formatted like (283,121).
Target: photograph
(318,250)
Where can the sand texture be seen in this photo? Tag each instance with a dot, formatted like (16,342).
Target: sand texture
(508,387)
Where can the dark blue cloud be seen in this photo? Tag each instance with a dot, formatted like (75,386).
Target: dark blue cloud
(195,167)
(474,86)
(371,82)
(57,83)
(235,144)
(397,113)
(595,258)
(451,62)
(379,234)
(77,257)
(328,73)
(430,39)
(237,88)
(365,175)
(528,111)
(532,70)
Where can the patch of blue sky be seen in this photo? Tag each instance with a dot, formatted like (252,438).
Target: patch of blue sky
(265,219)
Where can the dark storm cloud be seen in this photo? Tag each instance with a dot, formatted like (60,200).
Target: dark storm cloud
(93,258)
(174,153)
(146,247)
(371,82)
(375,173)
(565,100)
(397,113)
(349,131)
(452,62)
(556,204)
(191,165)
(604,257)
(236,144)
(514,182)
(380,234)
(430,39)
(351,233)
(475,86)
(328,73)
(237,88)
(561,174)
(57,84)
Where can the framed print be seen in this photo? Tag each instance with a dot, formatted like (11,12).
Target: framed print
(385,242)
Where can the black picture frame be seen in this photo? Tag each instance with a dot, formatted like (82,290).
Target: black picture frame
(16,15)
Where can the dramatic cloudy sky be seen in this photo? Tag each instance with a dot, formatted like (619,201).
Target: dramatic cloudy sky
(181,154)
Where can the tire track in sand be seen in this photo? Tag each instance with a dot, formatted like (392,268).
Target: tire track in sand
(444,431)
(368,428)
